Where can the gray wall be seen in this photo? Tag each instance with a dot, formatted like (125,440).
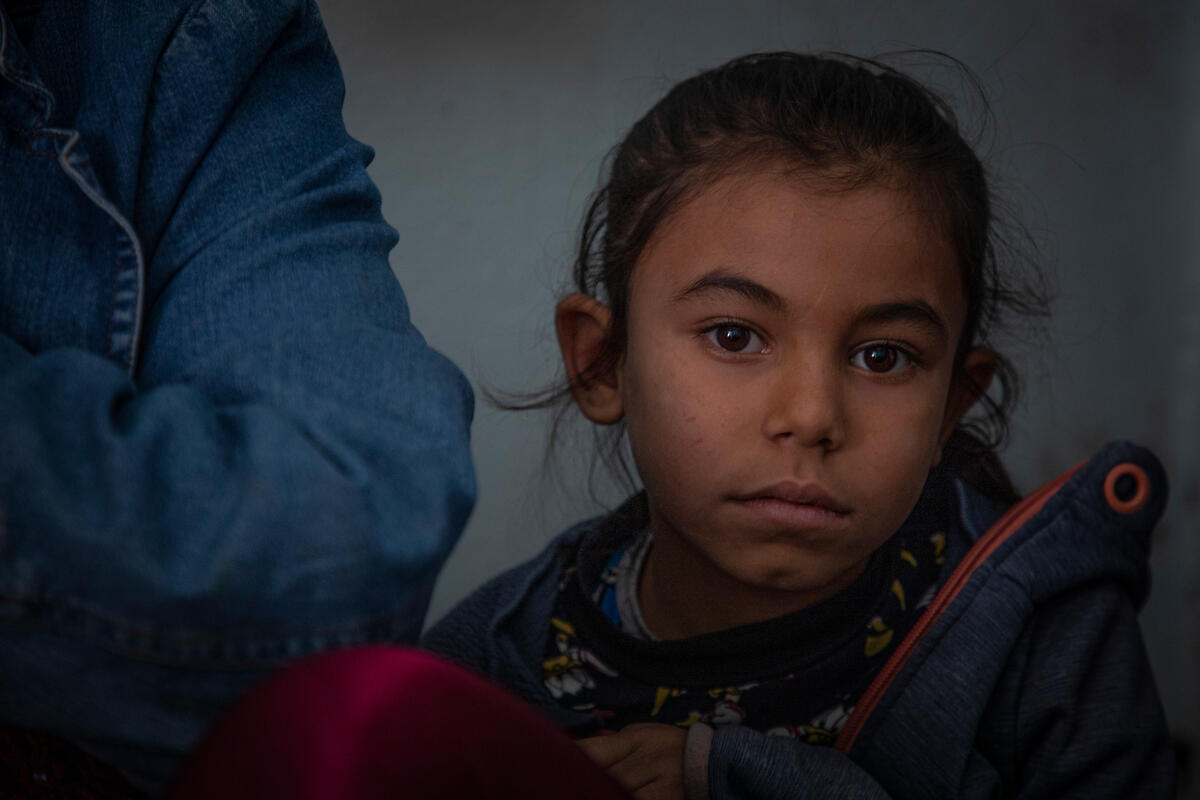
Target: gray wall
(490,120)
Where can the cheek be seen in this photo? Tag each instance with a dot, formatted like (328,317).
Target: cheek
(902,443)
(906,422)
(675,421)
(911,439)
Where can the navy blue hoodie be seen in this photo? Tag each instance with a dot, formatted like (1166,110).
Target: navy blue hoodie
(1026,677)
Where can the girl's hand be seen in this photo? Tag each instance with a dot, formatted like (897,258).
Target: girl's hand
(646,759)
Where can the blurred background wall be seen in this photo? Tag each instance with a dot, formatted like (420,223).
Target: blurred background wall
(490,120)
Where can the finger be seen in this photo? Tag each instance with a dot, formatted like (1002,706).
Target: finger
(634,775)
(654,766)
(647,778)
(608,749)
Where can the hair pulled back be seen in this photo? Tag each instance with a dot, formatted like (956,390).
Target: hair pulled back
(844,122)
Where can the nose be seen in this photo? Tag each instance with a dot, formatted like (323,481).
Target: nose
(805,405)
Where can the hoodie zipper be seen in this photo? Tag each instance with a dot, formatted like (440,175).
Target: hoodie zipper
(995,536)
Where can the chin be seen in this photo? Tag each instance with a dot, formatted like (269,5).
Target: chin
(786,582)
(805,581)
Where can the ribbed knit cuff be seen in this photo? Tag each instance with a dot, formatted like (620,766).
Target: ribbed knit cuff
(695,761)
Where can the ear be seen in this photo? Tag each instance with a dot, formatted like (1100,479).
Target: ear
(969,383)
(582,324)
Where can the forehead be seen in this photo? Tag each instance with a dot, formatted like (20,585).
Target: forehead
(809,244)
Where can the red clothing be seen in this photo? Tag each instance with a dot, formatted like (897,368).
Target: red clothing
(385,723)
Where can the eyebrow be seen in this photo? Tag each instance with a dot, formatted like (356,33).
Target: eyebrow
(720,280)
(914,312)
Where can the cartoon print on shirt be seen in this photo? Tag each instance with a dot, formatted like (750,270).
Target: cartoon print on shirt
(567,673)
(821,730)
(938,540)
(824,727)
(661,695)
(725,711)
(578,679)
(879,638)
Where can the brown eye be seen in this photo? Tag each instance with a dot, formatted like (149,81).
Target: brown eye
(734,338)
(731,337)
(881,358)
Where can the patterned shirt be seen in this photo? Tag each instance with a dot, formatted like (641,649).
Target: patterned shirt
(798,675)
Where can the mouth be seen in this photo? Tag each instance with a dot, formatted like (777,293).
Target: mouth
(794,505)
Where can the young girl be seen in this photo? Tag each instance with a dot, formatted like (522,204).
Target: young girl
(784,291)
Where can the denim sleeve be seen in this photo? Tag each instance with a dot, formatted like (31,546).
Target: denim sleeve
(287,467)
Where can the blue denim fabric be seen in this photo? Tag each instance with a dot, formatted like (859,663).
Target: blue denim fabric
(222,443)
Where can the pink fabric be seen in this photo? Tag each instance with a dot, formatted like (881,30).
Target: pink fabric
(389,723)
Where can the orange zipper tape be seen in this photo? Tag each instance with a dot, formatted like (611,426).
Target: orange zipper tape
(995,536)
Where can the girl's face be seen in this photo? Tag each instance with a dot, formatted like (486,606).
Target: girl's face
(787,385)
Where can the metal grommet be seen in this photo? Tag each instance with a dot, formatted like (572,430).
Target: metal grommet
(1126,488)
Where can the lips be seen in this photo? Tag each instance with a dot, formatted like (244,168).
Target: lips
(793,505)
(809,494)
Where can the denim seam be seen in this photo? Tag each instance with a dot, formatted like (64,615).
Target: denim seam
(42,102)
(115,279)
(76,163)
(33,134)
(207,650)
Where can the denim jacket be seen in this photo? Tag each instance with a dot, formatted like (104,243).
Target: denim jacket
(222,443)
